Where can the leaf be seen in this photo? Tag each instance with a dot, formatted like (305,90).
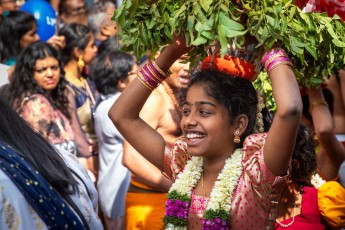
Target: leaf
(199,40)
(198,13)
(295,41)
(199,26)
(270,20)
(338,43)
(284,24)
(190,22)
(229,23)
(232,33)
(205,4)
(312,51)
(222,40)
(207,34)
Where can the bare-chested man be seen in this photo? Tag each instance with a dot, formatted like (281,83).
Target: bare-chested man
(145,202)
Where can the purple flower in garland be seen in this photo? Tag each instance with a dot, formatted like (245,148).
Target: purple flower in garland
(177,211)
(215,224)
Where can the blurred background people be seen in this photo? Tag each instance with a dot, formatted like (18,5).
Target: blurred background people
(38,93)
(8,5)
(317,115)
(298,203)
(113,71)
(72,11)
(18,29)
(80,50)
(100,23)
(46,189)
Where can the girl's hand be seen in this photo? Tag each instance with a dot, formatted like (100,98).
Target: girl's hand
(179,44)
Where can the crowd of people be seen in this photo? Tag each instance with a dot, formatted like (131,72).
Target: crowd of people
(92,137)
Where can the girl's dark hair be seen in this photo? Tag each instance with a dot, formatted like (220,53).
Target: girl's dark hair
(77,36)
(304,153)
(15,132)
(110,44)
(328,97)
(236,94)
(23,84)
(109,68)
(13,27)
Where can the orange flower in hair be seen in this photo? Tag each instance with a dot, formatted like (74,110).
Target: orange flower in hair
(234,66)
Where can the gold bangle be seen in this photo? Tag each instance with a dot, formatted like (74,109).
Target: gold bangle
(165,75)
(279,64)
(140,78)
(316,103)
(273,57)
(153,74)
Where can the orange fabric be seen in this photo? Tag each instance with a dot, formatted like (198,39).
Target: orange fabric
(145,211)
(231,65)
(331,196)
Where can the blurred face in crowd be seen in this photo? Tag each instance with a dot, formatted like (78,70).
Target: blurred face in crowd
(30,37)
(47,73)
(110,25)
(75,12)
(179,77)
(8,5)
(89,53)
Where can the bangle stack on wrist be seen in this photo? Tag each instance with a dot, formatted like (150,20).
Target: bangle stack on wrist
(275,58)
(151,75)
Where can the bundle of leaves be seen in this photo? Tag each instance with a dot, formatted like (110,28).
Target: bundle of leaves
(314,41)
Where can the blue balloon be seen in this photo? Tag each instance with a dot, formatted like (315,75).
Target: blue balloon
(45,16)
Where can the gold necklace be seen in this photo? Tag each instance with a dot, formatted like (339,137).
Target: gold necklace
(294,211)
(202,185)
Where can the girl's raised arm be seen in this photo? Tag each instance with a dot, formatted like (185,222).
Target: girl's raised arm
(281,137)
(125,111)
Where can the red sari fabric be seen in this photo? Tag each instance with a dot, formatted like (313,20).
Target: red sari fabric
(310,217)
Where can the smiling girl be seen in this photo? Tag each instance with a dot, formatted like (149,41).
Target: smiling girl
(226,173)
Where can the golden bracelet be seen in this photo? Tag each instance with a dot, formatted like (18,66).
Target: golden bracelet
(140,78)
(317,103)
(151,76)
(279,64)
(153,73)
(160,70)
(273,57)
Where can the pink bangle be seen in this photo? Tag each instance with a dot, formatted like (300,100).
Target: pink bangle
(272,63)
(275,58)
(149,79)
(156,67)
(272,53)
(279,64)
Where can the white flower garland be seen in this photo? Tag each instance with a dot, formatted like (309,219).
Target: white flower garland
(226,183)
(222,192)
(317,181)
(187,179)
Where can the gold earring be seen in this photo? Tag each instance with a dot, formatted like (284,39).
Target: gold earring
(237,138)
(80,63)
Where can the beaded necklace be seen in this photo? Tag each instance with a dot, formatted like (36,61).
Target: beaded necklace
(172,96)
(294,211)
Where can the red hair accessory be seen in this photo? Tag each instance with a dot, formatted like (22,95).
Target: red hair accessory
(231,65)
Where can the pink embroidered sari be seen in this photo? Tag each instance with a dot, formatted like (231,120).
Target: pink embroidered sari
(251,202)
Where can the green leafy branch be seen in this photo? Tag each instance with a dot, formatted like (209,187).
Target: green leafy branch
(315,42)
